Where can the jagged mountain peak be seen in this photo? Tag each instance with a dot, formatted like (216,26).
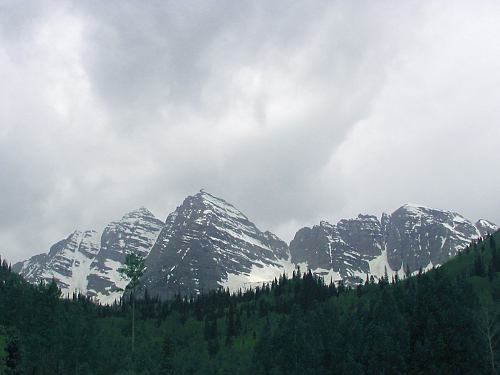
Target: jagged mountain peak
(67,262)
(487,223)
(141,212)
(136,232)
(418,209)
(420,212)
(214,204)
(72,242)
(367,217)
(88,261)
(413,235)
(206,242)
(325,224)
(77,233)
(486,227)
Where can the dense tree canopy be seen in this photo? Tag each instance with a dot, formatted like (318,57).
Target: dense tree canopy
(445,321)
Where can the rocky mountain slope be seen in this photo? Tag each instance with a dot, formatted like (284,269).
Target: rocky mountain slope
(135,232)
(68,261)
(88,262)
(413,236)
(207,243)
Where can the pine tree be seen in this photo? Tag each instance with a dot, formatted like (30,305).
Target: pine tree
(3,354)
(492,242)
(207,328)
(372,279)
(407,271)
(359,290)
(479,269)
(133,270)
(495,256)
(230,324)
(167,355)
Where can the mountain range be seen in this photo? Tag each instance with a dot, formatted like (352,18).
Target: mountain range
(207,243)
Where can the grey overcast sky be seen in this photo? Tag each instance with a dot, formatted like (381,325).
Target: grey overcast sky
(294,111)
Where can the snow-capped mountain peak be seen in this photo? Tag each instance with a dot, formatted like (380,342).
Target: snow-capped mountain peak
(88,261)
(219,206)
(135,232)
(205,241)
(67,262)
(486,227)
(413,235)
(138,213)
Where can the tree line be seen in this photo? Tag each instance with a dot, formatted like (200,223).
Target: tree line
(445,321)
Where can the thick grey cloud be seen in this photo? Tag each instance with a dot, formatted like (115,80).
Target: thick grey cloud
(293,111)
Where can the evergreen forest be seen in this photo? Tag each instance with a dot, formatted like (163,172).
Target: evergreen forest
(445,321)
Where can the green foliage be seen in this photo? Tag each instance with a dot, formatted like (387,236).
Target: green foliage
(133,269)
(443,322)
(3,354)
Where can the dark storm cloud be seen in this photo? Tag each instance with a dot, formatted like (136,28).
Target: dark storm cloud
(293,111)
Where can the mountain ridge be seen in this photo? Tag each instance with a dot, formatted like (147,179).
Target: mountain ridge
(207,243)
(413,235)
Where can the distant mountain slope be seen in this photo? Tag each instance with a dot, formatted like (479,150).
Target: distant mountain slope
(135,232)
(207,243)
(88,262)
(68,262)
(413,236)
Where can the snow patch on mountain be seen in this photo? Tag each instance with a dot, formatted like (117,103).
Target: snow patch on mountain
(486,227)
(260,274)
(207,243)
(136,232)
(87,262)
(414,235)
(68,262)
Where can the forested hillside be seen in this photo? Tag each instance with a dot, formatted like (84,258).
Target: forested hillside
(445,321)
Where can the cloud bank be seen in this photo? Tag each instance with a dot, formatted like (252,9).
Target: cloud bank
(292,111)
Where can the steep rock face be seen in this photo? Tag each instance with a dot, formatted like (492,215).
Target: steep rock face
(420,236)
(413,235)
(29,267)
(207,243)
(88,262)
(135,232)
(343,250)
(204,243)
(364,234)
(68,262)
(486,227)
